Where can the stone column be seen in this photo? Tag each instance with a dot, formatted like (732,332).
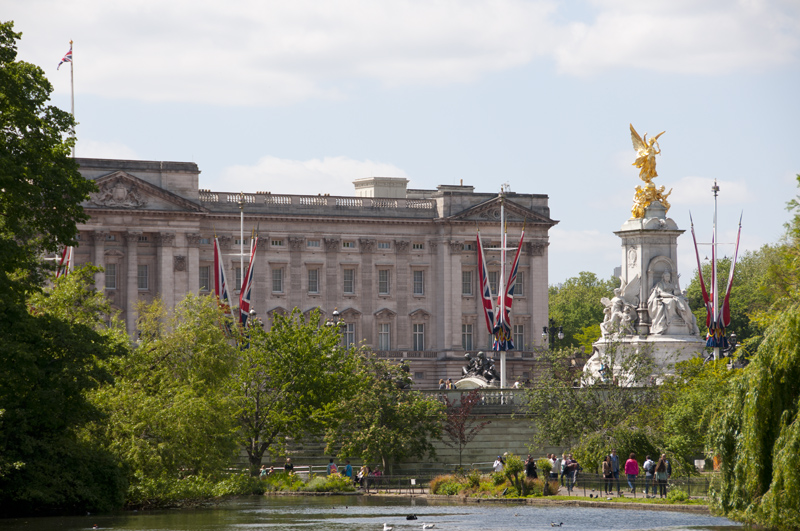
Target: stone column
(402,295)
(166,277)
(99,243)
(368,295)
(538,293)
(295,273)
(193,250)
(132,284)
(451,313)
(332,287)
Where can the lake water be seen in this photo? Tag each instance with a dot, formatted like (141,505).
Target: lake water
(357,513)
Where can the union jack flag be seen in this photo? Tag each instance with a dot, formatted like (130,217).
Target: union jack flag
(67,57)
(485,287)
(503,338)
(220,280)
(247,285)
(65,265)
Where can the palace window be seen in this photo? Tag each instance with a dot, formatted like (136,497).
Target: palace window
(466,283)
(349,335)
(418,336)
(383,282)
(276,243)
(111,276)
(384,336)
(417,246)
(419,283)
(348,244)
(277,280)
(349,281)
(312,243)
(493,276)
(384,245)
(313,280)
(466,336)
(205,278)
(519,336)
(143,277)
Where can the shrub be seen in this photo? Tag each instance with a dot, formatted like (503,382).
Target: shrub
(474,478)
(677,496)
(332,483)
(239,484)
(498,478)
(534,487)
(451,488)
(282,481)
(545,466)
(165,491)
(433,486)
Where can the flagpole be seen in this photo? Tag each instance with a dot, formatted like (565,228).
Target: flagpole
(72,84)
(502,290)
(715,189)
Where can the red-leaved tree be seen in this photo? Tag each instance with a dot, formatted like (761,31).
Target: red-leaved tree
(461,426)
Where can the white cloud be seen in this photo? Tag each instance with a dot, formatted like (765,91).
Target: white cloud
(682,36)
(330,175)
(255,52)
(696,191)
(104,150)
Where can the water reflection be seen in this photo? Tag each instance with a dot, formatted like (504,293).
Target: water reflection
(356,513)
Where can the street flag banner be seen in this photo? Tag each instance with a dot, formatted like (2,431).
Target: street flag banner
(503,338)
(65,264)
(247,284)
(67,57)
(220,279)
(485,287)
(706,299)
(725,314)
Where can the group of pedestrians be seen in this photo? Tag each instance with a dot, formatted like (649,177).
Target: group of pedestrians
(446,384)
(656,474)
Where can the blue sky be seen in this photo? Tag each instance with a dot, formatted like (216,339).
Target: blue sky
(306,96)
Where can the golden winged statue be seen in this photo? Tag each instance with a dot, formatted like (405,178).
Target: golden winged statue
(646,151)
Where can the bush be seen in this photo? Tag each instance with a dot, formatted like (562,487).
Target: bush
(677,496)
(446,485)
(474,478)
(498,478)
(534,487)
(433,486)
(332,483)
(165,491)
(545,466)
(239,485)
(451,488)
(282,481)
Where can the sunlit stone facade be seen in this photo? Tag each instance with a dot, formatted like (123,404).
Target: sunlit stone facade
(401,268)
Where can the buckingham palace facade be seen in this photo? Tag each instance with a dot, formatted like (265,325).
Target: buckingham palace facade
(399,264)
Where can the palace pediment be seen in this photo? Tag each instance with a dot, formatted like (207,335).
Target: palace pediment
(490,211)
(122,191)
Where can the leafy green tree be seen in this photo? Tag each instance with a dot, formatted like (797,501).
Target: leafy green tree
(49,359)
(757,434)
(385,421)
(42,188)
(592,415)
(284,380)
(575,305)
(169,415)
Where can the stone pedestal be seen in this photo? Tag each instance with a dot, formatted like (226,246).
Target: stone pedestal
(665,329)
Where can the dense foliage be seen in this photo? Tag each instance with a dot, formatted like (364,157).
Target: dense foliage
(384,421)
(575,306)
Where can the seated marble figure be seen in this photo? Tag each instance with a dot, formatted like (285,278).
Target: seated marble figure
(666,305)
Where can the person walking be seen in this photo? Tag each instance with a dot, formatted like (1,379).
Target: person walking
(556,467)
(563,467)
(498,464)
(442,385)
(615,467)
(571,470)
(530,467)
(608,476)
(632,470)
(649,469)
(661,477)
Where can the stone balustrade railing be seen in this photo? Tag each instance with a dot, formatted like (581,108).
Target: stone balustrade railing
(209,198)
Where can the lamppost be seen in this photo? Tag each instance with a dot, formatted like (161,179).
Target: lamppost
(552,331)
(337,321)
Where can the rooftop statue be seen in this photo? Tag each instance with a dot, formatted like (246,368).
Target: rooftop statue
(646,151)
(646,162)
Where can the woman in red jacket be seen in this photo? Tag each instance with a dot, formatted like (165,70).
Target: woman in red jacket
(632,470)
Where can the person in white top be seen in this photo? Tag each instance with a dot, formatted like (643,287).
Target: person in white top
(498,464)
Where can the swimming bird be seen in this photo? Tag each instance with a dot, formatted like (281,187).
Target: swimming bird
(428,526)
(411,517)
(553,524)
(387,528)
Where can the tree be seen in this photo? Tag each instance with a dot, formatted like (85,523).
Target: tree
(42,188)
(460,426)
(169,415)
(284,380)
(757,434)
(575,305)
(384,421)
(750,294)
(50,359)
(570,408)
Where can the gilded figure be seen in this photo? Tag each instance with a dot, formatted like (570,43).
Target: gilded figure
(646,151)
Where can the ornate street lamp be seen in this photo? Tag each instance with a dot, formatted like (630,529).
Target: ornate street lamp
(337,321)
(552,331)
